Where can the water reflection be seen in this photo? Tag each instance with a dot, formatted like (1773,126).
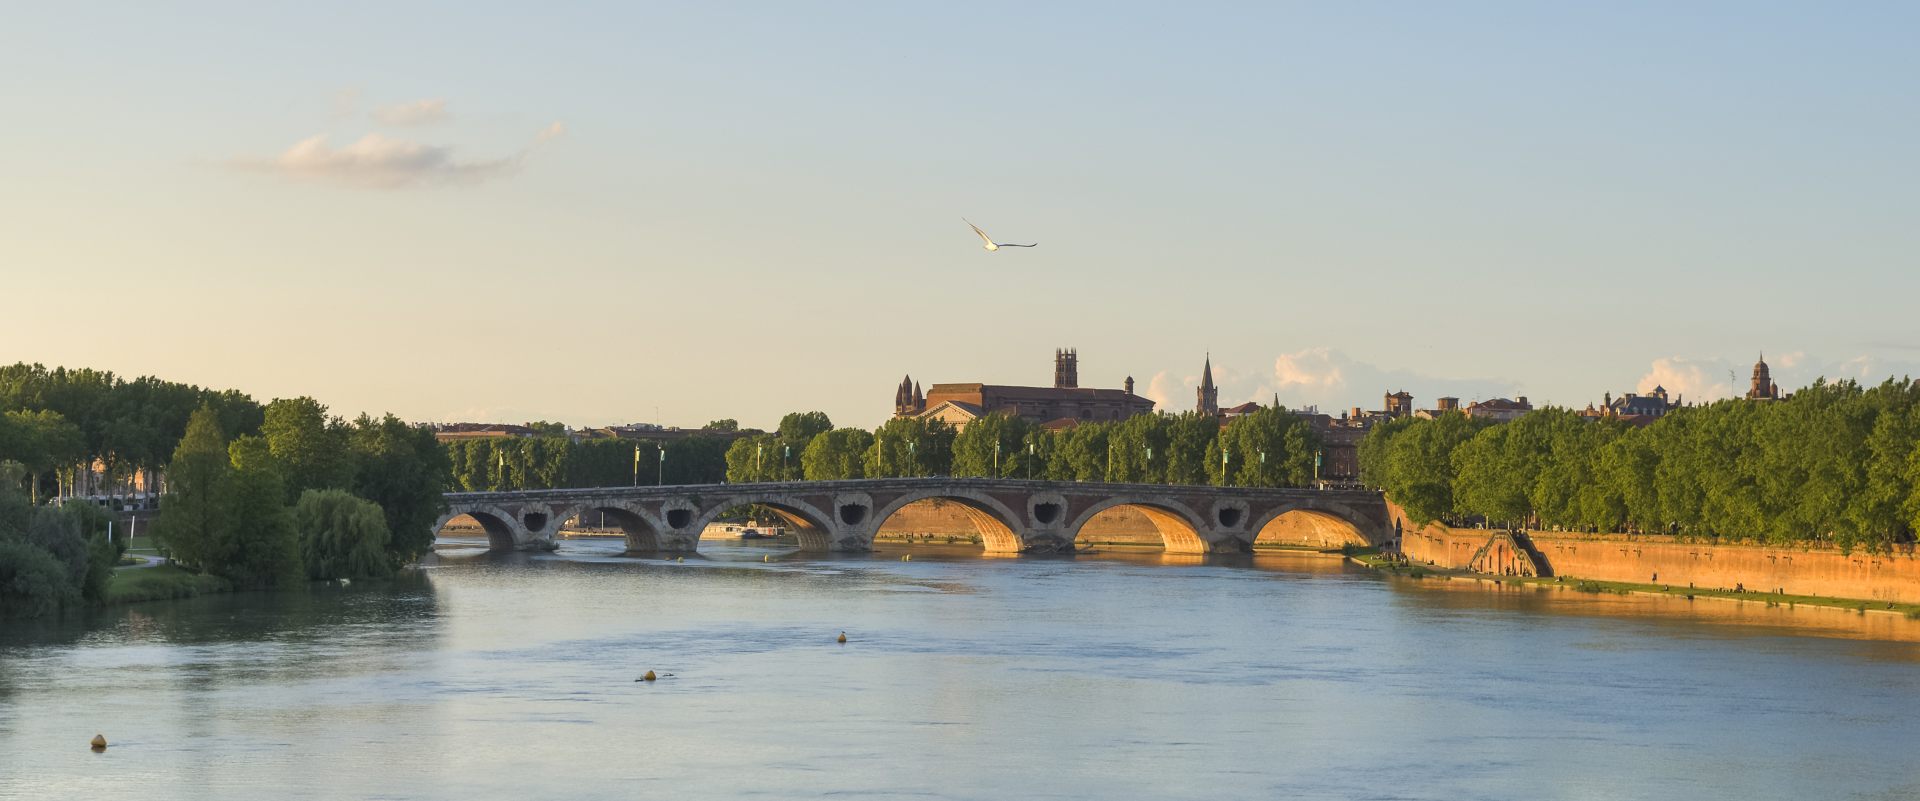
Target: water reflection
(1115,674)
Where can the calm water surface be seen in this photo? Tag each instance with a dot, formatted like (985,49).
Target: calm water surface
(1093,677)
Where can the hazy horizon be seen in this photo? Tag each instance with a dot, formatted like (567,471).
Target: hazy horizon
(589,214)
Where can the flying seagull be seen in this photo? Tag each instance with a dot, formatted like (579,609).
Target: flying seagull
(992,245)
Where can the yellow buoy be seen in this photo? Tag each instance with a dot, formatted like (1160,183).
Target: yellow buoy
(843,636)
(907,558)
(99,742)
(680,559)
(767,558)
(649,676)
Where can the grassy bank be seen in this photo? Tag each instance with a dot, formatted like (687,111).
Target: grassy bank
(159,583)
(1373,559)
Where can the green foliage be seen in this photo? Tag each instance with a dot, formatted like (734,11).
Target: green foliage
(32,581)
(194,515)
(799,428)
(726,424)
(341,536)
(992,446)
(127,425)
(310,446)
(1412,459)
(910,447)
(256,546)
(836,455)
(1268,448)
(402,468)
(1836,464)
(159,583)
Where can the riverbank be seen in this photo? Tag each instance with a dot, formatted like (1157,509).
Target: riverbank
(1373,559)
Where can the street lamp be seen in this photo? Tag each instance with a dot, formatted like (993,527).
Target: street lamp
(501,475)
(661,477)
(636,464)
(1029,461)
(996,460)
(785,451)
(756,462)
(1223,465)
(913,457)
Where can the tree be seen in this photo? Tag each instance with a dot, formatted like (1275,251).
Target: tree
(193,516)
(836,455)
(309,446)
(990,444)
(341,536)
(910,447)
(799,428)
(41,441)
(403,469)
(727,424)
(1267,448)
(257,546)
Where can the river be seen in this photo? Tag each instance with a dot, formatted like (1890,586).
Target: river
(1115,676)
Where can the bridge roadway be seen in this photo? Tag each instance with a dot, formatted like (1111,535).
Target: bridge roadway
(1013,516)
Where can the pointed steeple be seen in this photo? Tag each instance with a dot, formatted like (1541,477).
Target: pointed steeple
(1208,394)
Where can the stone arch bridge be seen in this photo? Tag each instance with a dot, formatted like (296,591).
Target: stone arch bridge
(1012,516)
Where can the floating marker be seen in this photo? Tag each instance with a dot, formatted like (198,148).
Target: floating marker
(907,558)
(649,676)
(99,742)
(680,559)
(843,637)
(767,558)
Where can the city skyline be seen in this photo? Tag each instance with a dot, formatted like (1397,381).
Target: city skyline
(712,213)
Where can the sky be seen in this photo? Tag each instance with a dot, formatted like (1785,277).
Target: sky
(680,212)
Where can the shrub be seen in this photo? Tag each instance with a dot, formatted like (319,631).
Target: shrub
(32,581)
(341,536)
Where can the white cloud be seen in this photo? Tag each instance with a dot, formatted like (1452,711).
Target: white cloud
(418,112)
(1696,380)
(383,162)
(1320,377)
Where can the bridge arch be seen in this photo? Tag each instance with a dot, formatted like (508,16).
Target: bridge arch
(1179,525)
(496,523)
(999,526)
(1306,524)
(810,524)
(642,534)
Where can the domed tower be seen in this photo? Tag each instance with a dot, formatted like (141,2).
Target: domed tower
(1762,387)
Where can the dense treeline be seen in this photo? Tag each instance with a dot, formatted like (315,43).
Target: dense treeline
(49,556)
(257,496)
(1269,448)
(311,496)
(58,419)
(1834,464)
(553,462)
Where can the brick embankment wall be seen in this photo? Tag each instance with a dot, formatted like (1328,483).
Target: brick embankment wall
(1662,560)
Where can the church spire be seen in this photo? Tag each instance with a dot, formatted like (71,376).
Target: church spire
(1208,395)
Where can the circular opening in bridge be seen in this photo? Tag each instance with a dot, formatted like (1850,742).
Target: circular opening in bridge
(1046,513)
(679,518)
(535,521)
(1230,516)
(852,513)
(1301,528)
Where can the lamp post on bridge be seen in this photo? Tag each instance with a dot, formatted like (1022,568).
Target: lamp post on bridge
(1029,461)
(785,451)
(660,478)
(996,459)
(636,464)
(757,475)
